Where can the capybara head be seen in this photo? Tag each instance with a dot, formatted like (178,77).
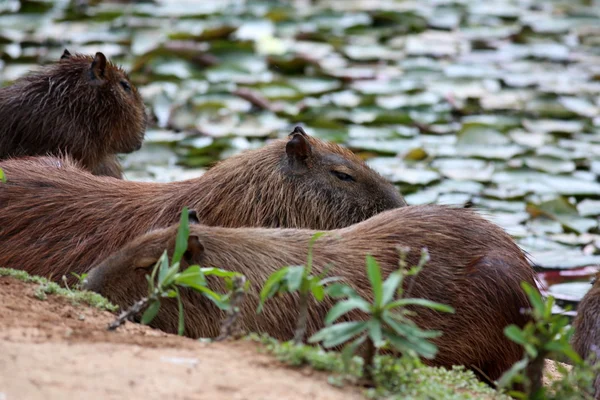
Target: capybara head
(303,182)
(82,105)
(124,271)
(109,91)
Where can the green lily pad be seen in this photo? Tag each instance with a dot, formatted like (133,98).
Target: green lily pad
(562,211)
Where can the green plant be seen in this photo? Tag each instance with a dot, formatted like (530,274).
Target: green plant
(2,176)
(388,321)
(546,336)
(394,378)
(165,281)
(297,278)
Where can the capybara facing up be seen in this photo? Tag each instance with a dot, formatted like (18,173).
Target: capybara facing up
(81,106)
(56,218)
(586,339)
(475,267)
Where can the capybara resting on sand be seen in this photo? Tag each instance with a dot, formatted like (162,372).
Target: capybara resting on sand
(475,267)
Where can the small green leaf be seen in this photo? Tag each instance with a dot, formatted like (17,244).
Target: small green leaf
(346,306)
(390,285)
(375,332)
(181,323)
(191,276)
(339,333)
(338,290)
(171,275)
(183,233)
(349,351)
(171,294)
(374,274)
(318,291)
(515,334)
(294,277)
(421,347)
(164,267)
(531,350)
(219,272)
(150,312)
(535,297)
(569,352)
(2,176)
(271,286)
(506,378)
(409,331)
(420,302)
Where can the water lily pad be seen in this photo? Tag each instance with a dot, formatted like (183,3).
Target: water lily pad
(553,126)
(562,211)
(464,169)
(563,259)
(427,196)
(588,207)
(572,291)
(549,164)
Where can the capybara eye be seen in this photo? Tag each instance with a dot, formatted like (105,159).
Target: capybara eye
(126,86)
(342,176)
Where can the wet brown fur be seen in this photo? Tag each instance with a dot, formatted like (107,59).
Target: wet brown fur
(586,339)
(475,267)
(83,106)
(56,218)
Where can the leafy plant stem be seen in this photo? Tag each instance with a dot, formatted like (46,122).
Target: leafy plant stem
(136,308)
(535,371)
(370,351)
(302,317)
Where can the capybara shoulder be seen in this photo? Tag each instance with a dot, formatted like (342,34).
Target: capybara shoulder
(82,106)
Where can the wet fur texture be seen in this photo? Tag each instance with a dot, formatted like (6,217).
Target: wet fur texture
(586,338)
(56,218)
(82,106)
(475,267)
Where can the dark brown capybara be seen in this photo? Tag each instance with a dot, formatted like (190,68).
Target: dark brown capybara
(81,106)
(475,267)
(56,218)
(586,339)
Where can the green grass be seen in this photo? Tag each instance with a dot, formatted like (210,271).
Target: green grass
(395,378)
(46,287)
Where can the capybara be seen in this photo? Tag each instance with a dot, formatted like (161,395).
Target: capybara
(56,218)
(475,267)
(586,339)
(81,106)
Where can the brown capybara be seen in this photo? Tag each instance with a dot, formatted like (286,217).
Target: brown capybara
(586,339)
(81,106)
(475,267)
(56,218)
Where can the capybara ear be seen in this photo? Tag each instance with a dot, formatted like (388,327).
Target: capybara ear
(193,217)
(300,130)
(298,149)
(98,65)
(195,250)
(65,54)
